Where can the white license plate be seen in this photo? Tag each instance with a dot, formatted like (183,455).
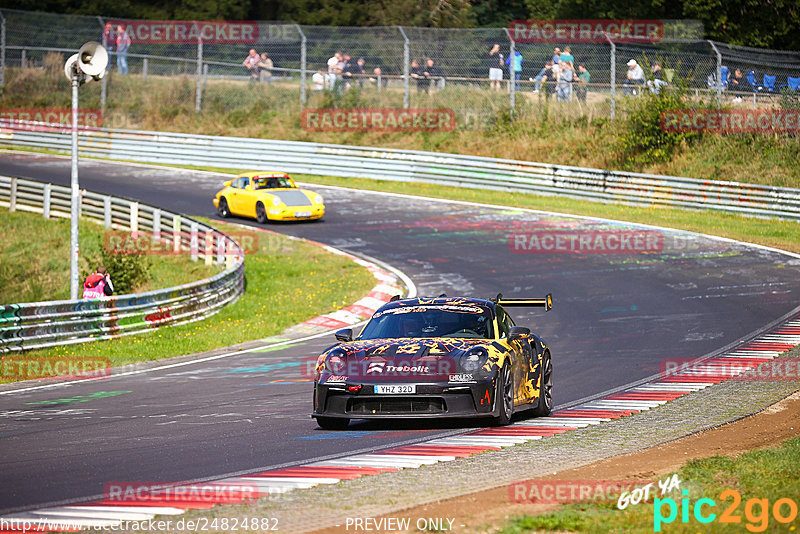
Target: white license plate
(302,214)
(396,389)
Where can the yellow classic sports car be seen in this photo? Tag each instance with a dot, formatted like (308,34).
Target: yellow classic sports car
(268,196)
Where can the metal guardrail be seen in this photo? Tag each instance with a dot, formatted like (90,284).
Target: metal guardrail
(416,166)
(45,324)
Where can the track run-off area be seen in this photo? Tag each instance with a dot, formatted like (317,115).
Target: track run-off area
(618,316)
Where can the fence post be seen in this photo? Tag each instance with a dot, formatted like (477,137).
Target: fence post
(406,63)
(12,200)
(199,91)
(2,50)
(613,76)
(144,69)
(302,65)
(48,190)
(512,74)
(719,72)
(22,59)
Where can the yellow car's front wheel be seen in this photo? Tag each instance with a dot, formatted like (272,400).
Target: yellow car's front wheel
(261,214)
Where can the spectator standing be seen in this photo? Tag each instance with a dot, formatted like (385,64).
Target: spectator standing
(251,62)
(495,67)
(545,74)
(123,44)
(334,71)
(515,68)
(359,71)
(582,83)
(416,73)
(556,55)
(379,79)
(433,74)
(565,82)
(567,57)
(265,65)
(633,78)
(318,79)
(98,284)
(108,40)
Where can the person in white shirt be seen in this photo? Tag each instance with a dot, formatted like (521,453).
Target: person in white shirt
(634,78)
(319,80)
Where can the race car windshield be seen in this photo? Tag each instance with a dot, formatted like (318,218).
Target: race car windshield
(430,321)
(272,182)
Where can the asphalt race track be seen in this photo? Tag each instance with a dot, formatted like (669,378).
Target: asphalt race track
(617,318)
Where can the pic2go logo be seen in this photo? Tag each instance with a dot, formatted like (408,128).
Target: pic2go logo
(756,511)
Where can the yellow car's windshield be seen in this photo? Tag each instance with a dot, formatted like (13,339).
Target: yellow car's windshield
(272,182)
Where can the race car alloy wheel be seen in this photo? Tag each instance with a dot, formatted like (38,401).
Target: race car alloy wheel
(223,210)
(332,423)
(546,389)
(504,394)
(261,213)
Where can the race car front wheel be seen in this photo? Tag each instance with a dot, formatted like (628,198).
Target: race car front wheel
(332,423)
(504,396)
(261,213)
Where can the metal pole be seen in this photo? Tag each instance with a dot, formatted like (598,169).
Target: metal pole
(613,76)
(144,69)
(199,91)
(2,50)
(22,58)
(302,65)
(75,197)
(719,72)
(406,67)
(512,74)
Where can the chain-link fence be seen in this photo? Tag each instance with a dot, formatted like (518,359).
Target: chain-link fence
(482,75)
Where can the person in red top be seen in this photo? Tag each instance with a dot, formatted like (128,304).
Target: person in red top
(98,284)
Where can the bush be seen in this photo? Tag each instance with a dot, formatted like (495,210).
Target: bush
(642,141)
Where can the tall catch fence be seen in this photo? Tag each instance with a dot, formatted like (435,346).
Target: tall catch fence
(198,66)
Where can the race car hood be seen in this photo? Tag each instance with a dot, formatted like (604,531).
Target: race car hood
(404,359)
(292,197)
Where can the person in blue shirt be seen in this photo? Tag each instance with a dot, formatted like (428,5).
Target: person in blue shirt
(515,67)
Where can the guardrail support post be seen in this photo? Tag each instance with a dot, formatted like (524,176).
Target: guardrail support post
(208,248)
(176,233)
(12,201)
(406,67)
(144,69)
(134,217)
(107,212)
(302,65)
(193,245)
(156,224)
(220,249)
(22,60)
(48,190)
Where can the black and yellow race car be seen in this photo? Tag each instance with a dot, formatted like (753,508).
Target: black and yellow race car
(436,357)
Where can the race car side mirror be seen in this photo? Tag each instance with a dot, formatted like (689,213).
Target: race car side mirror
(518,332)
(227,183)
(345,334)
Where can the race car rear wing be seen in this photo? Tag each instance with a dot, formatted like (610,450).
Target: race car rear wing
(546,302)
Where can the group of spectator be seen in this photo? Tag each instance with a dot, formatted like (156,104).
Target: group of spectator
(116,42)
(259,66)
(562,71)
(344,73)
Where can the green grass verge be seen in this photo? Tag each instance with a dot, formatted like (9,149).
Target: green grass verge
(288,281)
(35,265)
(764,475)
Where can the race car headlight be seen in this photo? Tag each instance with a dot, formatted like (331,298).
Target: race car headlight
(276,201)
(336,361)
(474,359)
(317,199)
